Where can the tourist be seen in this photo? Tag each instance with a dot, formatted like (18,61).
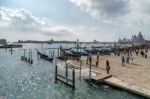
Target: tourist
(131,59)
(107,67)
(145,55)
(97,61)
(123,61)
(127,58)
(137,52)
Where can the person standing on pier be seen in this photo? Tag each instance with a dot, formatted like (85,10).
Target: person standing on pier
(123,61)
(107,66)
(97,61)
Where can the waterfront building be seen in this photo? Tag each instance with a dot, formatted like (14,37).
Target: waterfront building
(134,40)
(2,41)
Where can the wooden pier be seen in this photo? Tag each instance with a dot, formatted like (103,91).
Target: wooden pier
(126,86)
(100,77)
(65,79)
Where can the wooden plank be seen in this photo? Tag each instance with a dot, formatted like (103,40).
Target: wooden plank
(126,86)
(64,78)
(74,66)
(100,77)
(69,84)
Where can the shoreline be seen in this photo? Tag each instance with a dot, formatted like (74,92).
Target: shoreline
(132,77)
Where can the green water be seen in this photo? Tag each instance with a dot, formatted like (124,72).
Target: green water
(20,80)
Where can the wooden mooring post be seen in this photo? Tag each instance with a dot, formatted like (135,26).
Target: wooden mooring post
(65,79)
(90,59)
(29,59)
(80,69)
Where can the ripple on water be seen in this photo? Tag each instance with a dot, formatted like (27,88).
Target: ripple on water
(19,80)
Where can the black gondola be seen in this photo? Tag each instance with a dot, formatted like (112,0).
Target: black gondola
(43,56)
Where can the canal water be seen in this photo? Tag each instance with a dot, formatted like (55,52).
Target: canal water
(20,80)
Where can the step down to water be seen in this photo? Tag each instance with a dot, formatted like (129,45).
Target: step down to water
(100,77)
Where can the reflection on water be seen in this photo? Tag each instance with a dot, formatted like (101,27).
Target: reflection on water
(20,80)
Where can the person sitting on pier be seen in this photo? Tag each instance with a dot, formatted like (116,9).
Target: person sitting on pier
(107,66)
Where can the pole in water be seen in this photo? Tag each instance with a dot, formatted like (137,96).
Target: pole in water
(80,69)
(24,52)
(90,68)
(53,53)
(73,76)
(55,73)
(66,72)
(31,57)
(11,50)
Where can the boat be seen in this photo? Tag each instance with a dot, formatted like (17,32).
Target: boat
(43,56)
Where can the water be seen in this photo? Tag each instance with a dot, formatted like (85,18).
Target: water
(20,80)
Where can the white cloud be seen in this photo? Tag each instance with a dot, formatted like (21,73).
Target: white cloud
(126,16)
(23,25)
(101,9)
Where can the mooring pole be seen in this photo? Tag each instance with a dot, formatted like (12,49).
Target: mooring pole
(90,68)
(55,73)
(58,52)
(66,72)
(80,69)
(37,55)
(53,53)
(73,76)
(11,50)
(49,53)
(31,57)
(24,52)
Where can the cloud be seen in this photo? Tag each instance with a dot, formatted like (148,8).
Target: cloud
(127,17)
(103,8)
(22,22)
(116,12)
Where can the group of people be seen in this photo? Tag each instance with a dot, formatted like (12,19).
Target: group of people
(89,60)
(128,56)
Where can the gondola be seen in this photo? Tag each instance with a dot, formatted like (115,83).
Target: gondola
(43,56)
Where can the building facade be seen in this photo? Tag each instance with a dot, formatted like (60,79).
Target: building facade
(2,41)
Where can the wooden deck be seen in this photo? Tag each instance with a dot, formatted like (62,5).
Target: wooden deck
(100,77)
(126,86)
(72,66)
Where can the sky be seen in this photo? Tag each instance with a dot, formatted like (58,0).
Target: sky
(86,20)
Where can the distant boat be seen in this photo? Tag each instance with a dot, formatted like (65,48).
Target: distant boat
(43,56)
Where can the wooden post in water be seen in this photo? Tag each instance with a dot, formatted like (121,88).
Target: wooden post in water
(73,76)
(55,73)
(11,50)
(58,52)
(49,53)
(24,52)
(90,67)
(80,69)
(31,57)
(66,72)
(53,53)
(37,55)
